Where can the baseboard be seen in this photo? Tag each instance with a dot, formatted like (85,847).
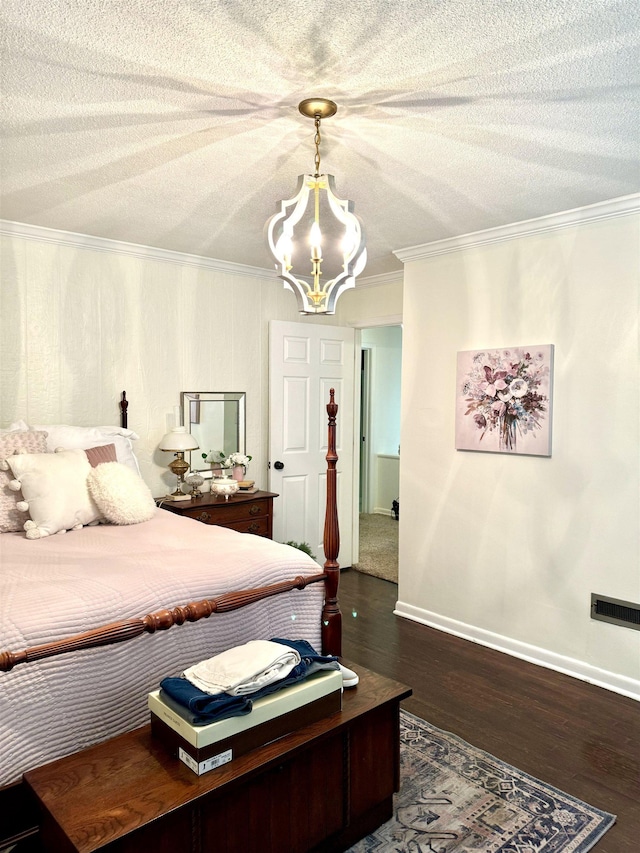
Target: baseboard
(378,510)
(533,654)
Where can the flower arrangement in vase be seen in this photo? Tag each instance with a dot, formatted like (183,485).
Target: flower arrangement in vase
(217,460)
(239,462)
(234,465)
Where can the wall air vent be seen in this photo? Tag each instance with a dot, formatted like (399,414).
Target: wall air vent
(617,612)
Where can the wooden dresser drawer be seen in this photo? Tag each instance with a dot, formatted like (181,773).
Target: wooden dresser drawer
(242,512)
(229,513)
(258,526)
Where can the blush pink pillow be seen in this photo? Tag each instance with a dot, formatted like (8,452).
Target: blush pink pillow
(103,453)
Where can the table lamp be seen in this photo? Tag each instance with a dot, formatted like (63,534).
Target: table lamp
(178,441)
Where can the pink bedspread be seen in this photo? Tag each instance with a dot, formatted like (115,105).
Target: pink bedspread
(62,585)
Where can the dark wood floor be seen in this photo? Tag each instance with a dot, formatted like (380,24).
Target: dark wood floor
(582,739)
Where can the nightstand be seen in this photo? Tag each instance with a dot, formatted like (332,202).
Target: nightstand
(246,513)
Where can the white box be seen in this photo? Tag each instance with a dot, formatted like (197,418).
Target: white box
(283,701)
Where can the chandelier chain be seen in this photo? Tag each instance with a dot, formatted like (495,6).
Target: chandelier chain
(316,140)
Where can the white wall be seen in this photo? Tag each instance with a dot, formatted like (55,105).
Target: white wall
(385,343)
(79,325)
(371,304)
(507,549)
(82,319)
(387,483)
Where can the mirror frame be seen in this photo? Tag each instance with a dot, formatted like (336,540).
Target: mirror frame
(187,398)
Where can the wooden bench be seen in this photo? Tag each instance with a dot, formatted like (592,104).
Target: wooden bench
(320,788)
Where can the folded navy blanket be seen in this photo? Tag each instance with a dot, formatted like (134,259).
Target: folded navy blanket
(306,651)
(200,708)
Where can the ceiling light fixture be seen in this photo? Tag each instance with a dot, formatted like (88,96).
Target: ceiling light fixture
(334,234)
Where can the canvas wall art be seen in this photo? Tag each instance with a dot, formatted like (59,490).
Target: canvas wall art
(503,400)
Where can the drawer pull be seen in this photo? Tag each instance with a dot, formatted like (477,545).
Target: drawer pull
(253,528)
(204,516)
(254,510)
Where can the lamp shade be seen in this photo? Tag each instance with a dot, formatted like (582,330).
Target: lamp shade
(178,439)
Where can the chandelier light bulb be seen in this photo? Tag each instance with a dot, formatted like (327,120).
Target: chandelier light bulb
(315,239)
(285,250)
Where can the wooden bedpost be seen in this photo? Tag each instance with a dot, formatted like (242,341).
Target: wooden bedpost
(331,615)
(124,404)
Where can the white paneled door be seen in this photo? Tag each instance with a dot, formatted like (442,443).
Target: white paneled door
(305,361)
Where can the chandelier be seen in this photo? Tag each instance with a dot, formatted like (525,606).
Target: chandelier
(328,251)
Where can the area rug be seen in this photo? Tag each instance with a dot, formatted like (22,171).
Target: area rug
(454,797)
(378,546)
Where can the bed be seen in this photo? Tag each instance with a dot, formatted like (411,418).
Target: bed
(85,619)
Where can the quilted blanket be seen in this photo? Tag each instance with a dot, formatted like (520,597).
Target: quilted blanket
(62,585)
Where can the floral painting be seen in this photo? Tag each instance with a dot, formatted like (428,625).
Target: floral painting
(503,400)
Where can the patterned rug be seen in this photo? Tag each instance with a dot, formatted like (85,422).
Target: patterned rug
(454,797)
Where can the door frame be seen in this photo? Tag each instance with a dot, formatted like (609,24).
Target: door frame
(364,427)
(358,325)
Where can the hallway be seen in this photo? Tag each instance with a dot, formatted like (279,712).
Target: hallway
(378,546)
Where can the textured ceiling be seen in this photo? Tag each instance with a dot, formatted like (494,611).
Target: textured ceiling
(174,123)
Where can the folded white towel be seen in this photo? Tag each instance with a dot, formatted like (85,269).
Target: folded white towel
(243,669)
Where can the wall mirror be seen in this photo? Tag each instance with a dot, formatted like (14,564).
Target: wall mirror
(216,419)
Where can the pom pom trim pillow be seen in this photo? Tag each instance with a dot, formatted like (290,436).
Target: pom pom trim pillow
(12,517)
(54,485)
(121,496)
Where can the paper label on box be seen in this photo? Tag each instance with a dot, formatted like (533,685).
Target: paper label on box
(191,763)
(209,764)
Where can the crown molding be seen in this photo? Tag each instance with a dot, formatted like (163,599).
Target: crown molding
(134,250)
(623,206)
(393,277)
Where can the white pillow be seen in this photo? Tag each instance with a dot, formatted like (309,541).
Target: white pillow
(121,496)
(82,438)
(18,426)
(55,487)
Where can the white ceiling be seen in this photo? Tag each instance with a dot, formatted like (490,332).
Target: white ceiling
(174,123)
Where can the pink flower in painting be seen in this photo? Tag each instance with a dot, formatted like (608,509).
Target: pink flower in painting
(494,381)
